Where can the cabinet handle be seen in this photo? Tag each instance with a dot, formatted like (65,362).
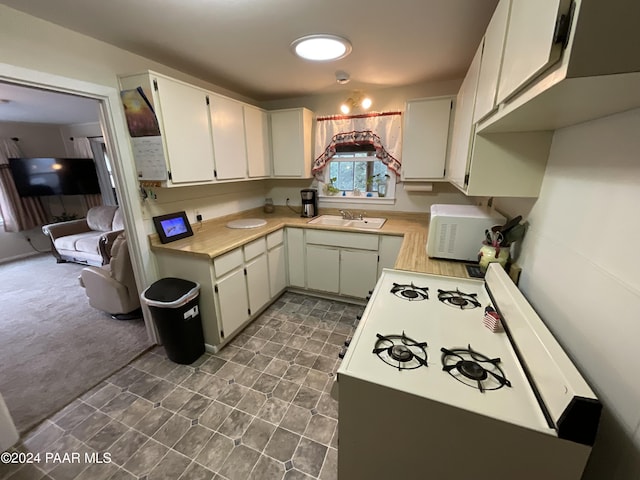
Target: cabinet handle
(215,288)
(563,26)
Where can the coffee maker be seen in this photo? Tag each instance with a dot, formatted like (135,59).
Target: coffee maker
(309,202)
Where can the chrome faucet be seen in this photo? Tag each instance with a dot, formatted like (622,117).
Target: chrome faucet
(361,215)
(346,214)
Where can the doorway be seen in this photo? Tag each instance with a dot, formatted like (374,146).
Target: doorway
(123,186)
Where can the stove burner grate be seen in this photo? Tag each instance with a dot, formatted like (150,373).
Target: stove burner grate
(458,299)
(410,292)
(400,351)
(474,369)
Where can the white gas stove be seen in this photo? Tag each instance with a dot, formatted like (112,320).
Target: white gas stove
(425,386)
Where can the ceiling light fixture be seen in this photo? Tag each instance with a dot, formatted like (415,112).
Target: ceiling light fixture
(321,47)
(356,100)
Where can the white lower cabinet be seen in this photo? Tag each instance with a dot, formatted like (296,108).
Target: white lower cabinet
(341,263)
(388,250)
(323,267)
(295,257)
(237,285)
(358,272)
(258,283)
(241,285)
(276,256)
(231,295)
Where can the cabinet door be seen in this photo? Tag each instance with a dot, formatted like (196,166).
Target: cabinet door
(295,257)
(256,126)
(227,130)
(425,135)
(277,270)
(291,142)
(530,44)
(186,131)
(358,272)
(258,283)
(389,249)
(232,300)
(463,124)
(491,64)
(323,268)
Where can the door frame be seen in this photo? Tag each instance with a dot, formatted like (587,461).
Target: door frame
(116,136)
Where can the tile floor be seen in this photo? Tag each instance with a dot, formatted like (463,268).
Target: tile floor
(258,409)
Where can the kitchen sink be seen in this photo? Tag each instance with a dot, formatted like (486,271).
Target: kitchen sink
(338,221)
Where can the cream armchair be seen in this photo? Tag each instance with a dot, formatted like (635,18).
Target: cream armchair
(88,240)
(112,288)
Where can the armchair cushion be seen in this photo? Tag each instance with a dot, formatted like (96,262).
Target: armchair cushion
(88,240)
(112,288)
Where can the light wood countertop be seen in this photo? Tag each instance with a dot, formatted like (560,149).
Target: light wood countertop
(212,238)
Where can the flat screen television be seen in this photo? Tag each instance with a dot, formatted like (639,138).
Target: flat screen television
(35,177)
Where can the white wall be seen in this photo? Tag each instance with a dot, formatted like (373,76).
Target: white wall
(581,273)
(35,139)
(210,201)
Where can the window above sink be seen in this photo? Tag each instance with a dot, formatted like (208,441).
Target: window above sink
(355,174)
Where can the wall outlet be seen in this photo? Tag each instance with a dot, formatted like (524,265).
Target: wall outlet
(198,217)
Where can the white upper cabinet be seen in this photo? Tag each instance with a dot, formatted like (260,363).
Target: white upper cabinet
(184,154)
(227,130)
(490,67)
(425,137)
(531,43)
(598,72)
(185,124)
(292,142)
(256,126)
(461,138)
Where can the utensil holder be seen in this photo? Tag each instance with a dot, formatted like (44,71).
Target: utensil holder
(489,254)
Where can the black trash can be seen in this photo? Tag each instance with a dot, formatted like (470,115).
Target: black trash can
(173,303)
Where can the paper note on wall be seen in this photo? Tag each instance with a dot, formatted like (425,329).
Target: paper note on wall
(148,154)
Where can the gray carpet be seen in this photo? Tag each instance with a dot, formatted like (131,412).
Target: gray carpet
(53,345)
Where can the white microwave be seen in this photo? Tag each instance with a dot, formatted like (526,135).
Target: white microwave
(456,232)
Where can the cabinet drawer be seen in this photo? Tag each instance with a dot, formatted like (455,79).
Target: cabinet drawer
(361,241)
(255,248)
(275,238)
(227,262)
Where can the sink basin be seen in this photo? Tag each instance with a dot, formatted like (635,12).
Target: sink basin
(338,221)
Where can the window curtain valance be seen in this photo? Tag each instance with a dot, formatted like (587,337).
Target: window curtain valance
(382,130)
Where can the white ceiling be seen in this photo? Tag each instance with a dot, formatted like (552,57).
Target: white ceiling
(243,45)
(31,105)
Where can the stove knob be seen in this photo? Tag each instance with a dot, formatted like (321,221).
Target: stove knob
(342,353)
(347,341)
